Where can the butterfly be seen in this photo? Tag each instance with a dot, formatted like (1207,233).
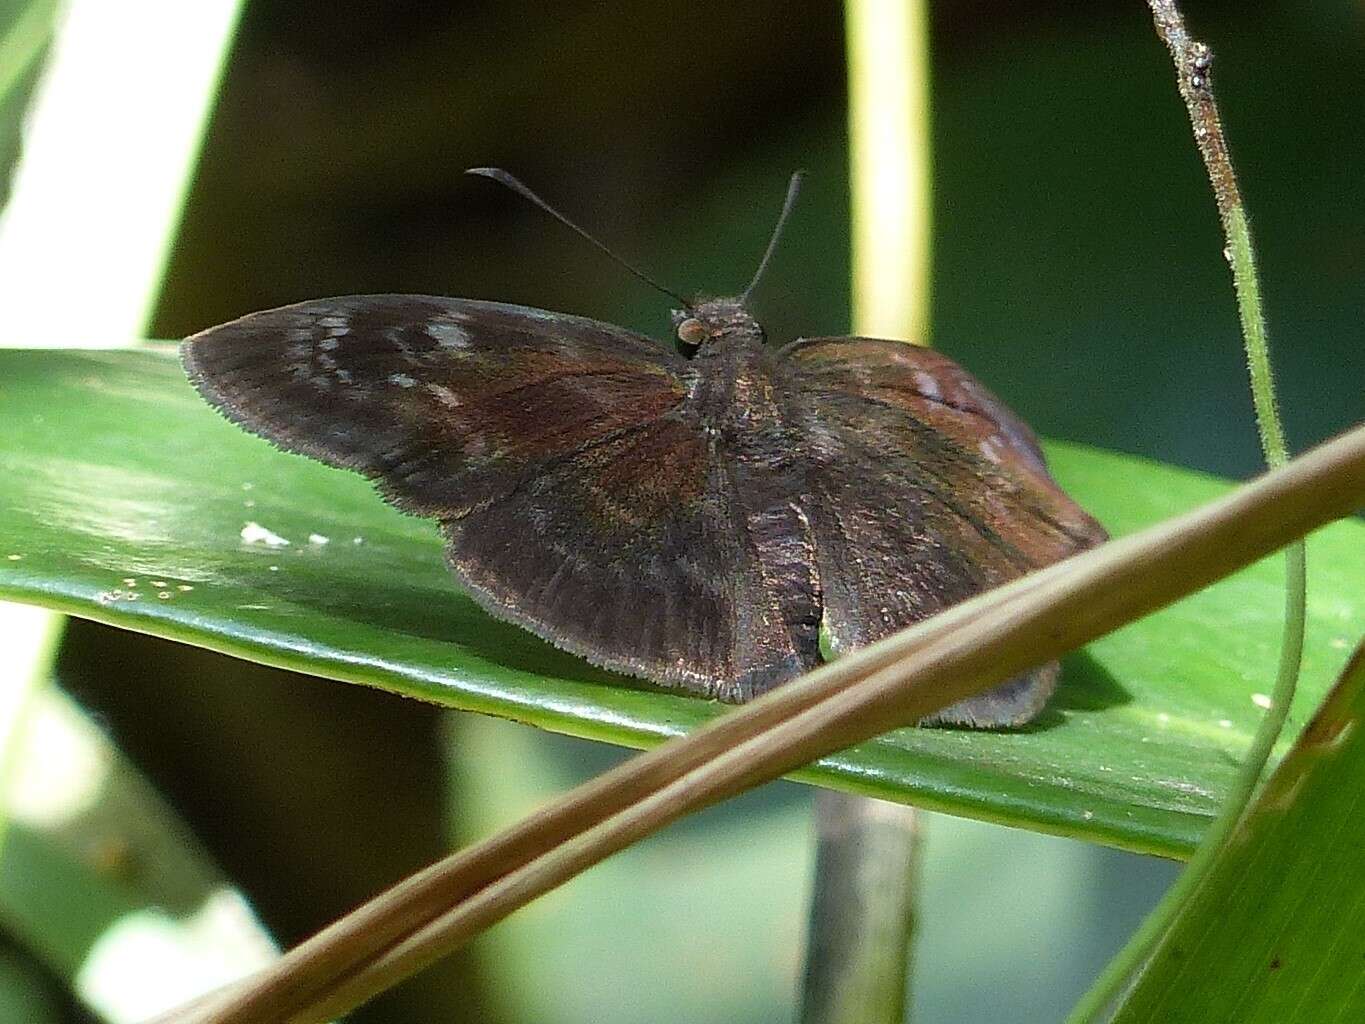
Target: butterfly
(700,514)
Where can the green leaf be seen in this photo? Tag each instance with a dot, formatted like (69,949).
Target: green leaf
(126,499)
(1277,931)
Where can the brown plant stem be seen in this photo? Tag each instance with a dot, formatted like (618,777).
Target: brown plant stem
(898,680)
(1194,69)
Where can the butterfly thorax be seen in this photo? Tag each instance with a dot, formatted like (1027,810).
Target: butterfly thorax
(735,393)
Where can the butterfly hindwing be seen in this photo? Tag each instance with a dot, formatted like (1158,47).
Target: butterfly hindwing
(925,490)
(640,565)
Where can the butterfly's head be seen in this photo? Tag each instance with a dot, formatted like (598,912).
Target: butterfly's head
(712,322)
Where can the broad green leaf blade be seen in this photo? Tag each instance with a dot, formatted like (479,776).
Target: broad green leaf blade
(1276,934)
(127,500)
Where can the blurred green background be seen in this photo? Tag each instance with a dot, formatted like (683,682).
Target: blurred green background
(1077,270)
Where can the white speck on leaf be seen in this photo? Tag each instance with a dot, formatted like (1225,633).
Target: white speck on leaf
(255,533)
(318,539)
(1261,700)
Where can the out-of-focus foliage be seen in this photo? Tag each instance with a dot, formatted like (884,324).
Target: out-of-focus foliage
(1076,270)
(25,30)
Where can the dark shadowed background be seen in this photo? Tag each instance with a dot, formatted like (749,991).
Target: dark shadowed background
(1077,270)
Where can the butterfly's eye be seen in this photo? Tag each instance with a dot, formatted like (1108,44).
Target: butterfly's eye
(692,331)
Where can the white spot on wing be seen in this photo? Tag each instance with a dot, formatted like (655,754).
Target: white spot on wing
(447,334)
(402,380)
(443,395)
(928,387)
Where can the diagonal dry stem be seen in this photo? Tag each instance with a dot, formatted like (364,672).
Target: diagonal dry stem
(963,651)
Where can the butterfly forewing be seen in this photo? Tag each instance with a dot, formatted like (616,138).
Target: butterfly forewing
(446,403)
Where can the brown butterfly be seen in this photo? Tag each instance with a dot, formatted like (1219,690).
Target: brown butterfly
(693,515)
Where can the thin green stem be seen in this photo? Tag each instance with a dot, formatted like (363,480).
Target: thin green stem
(1193,62)
(1242,258)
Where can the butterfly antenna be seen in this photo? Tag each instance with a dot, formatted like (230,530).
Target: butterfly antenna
(793,190)
(503,178)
